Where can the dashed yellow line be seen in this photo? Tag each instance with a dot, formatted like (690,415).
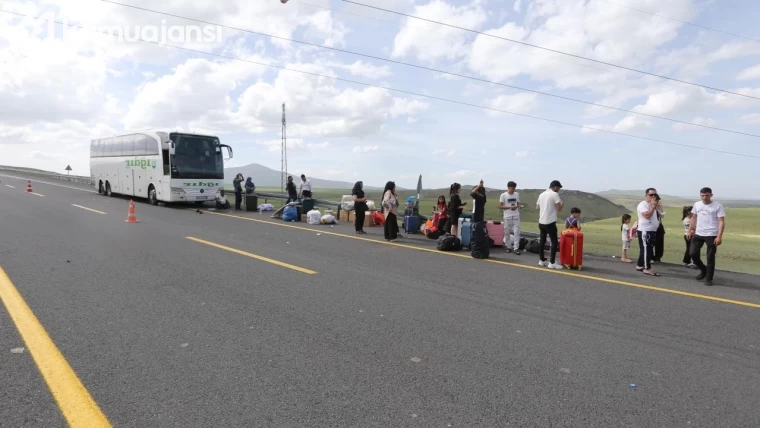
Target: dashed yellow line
(88,209)
(517,265)
(254,256)
(77,406)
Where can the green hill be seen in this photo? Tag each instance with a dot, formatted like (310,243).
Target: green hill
(631,198)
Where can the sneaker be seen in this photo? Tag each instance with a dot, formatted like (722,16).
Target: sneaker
(518,252)
(508,250)
(556,266)
(692,266)
(543,263)
(701,276)
(709,283)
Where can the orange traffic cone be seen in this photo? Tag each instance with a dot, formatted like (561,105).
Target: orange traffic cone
(131,218)
(29,186)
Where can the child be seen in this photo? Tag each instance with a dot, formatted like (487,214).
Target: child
(626,237)
(572,222)
(686,220)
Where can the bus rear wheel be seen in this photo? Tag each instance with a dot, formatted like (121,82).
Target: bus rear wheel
(152,197)
(108,190)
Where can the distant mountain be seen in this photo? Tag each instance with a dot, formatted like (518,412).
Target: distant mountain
(267,177)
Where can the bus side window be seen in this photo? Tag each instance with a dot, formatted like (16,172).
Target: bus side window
(165,154)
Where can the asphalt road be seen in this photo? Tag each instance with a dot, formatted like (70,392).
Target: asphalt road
(165,328)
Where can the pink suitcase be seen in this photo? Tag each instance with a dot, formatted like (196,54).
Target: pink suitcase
(495,233)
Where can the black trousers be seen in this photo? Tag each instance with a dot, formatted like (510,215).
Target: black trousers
(306,193)
(238,200)
(391,226)
(551,231)
(646,249)
(659,243)
(696,248)
(359,221)
(687,254)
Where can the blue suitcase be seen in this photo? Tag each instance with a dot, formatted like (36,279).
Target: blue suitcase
(466,231)
(411,224)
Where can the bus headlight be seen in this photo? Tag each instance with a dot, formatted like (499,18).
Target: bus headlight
(178,190)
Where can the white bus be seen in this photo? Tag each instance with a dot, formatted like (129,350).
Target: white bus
(159,166)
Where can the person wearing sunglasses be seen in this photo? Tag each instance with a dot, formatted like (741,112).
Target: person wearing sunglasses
(649,211)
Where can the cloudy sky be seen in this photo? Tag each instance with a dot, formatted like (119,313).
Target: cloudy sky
(58,90)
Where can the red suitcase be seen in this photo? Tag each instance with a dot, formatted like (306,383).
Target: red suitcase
(495,233)
(571,249)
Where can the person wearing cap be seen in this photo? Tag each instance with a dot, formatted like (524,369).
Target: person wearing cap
(549,204)
(509,202)
(649,211)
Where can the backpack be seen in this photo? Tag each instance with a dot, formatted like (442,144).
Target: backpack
(479,241)
(449,243)
(533,246)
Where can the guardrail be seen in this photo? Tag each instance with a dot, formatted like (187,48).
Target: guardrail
(284,197)
(47,175)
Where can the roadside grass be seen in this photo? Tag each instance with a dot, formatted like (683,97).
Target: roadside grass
(740,251)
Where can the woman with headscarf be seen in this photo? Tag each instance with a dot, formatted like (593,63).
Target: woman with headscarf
(360,206)
(249,186)
(390,211)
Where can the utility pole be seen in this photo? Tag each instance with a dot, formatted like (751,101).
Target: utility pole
(284,160)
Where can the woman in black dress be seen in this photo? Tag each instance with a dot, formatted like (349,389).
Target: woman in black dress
(455,207)
(360,206)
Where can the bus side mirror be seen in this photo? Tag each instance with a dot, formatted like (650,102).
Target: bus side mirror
(171,147)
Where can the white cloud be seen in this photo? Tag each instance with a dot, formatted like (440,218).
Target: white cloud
(407,107)
(462,173)
(365,149)
(295,145)
(445,152)
(517,6)
(439,41)
(752,73)
(317,107)
(365,69)
(697,120)
(750,119)
(523,153)
(523,102)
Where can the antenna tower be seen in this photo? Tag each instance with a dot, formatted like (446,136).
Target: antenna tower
(284,160)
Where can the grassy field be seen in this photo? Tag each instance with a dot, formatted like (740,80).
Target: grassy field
(740,251)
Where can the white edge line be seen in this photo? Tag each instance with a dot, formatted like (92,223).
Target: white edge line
(49,184)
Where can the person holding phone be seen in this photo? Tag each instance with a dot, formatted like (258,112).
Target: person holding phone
(479,196)
(509,202)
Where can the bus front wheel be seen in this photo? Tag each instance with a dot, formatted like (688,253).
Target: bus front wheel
(108,190)
(152,198)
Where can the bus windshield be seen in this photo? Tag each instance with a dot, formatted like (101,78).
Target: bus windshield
(196,156)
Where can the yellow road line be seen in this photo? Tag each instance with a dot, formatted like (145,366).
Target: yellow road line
(254,256)
(33,193)
(76,404)
(518,265)
(88,209)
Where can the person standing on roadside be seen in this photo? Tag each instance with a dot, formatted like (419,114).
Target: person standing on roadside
(292,191)
(659,241)
(238,191)
(305,187)
(455,208)
(549,204)
(360,206)
(706,227)
(390,211)
(686,219)
(648,224)
(478,194)
(509,202)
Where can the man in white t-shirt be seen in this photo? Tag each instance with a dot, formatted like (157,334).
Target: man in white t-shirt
(706,227)
(509,202)
(548,205)
(305,187)
(648,223)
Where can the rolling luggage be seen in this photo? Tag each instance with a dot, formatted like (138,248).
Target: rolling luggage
(495,233)
(411,224)
(464,231)
(571,249)
(251,202)
(480,247)
(307,205)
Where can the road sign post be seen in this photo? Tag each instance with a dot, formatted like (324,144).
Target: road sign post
(68,169)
